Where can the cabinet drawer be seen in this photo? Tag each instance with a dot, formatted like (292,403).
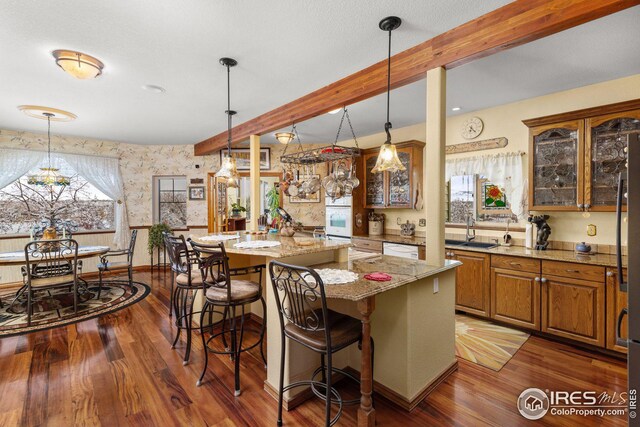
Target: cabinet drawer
(515,263)
(367,245)
(574,271)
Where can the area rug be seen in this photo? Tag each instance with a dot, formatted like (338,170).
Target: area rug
(54,307)
(486,343)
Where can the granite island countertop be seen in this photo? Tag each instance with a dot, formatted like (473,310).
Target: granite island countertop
(605,260)
(402,270)
(289,246)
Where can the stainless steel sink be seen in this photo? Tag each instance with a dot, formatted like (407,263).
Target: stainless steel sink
(470,244)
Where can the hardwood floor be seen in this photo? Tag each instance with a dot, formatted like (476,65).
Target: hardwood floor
(119,370)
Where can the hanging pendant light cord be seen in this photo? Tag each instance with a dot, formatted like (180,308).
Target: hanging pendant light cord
(49,140)
(228,111)
(387,125)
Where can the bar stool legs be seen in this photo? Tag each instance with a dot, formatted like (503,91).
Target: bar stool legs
(236,330)
(183,300)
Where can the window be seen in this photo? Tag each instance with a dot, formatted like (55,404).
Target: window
(79,206)
(170,200)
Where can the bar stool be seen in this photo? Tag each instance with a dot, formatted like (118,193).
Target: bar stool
(297,291)
(188,280)
(228,294)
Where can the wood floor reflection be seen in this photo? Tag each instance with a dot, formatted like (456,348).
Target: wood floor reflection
(119,370)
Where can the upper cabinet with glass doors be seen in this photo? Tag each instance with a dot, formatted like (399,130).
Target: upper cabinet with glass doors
(575,158)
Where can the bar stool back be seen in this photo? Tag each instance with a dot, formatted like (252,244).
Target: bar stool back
(299,291)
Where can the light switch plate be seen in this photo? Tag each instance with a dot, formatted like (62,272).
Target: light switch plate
(592,230)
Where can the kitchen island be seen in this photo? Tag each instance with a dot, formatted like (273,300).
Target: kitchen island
(410,317)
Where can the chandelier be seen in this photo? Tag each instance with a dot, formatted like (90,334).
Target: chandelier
(48,176)
(229,169)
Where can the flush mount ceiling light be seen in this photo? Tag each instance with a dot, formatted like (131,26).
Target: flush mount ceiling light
(229,169)
(47,113)
(388,157)
(285,137)
(78,64)
(49,176)
(336,111)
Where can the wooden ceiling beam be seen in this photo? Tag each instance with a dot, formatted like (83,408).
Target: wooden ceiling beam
(514,24)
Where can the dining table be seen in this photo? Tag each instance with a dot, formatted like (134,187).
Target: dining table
(18,257)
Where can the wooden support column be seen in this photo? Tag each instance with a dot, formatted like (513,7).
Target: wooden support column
(254,177)
(434,164)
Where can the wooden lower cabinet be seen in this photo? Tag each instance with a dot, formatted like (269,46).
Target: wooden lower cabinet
(574,309)
(515,297)
(472,282)
(616,301)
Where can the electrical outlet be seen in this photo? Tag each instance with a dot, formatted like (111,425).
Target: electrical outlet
(592,230)
(422,222)
(398,220)
(436,286)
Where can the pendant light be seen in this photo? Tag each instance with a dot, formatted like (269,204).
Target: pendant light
(48,176)
(388,157)
(229,169)
(285,137)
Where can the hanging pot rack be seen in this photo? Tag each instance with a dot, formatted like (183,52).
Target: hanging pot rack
(329,153)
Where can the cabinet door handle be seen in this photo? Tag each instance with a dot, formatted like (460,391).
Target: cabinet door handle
(609,273)
(572,271)
(619,340)
(543,280)
(537,279)
(587,206)
(580,206)
(515,264)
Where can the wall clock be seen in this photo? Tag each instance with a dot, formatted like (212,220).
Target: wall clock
(472,127)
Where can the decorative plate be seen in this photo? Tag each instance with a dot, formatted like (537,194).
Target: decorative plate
(332,276)
(256,244)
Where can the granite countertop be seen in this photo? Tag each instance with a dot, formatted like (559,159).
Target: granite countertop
(395,238)
(289,246)
(605,260)
(402,270)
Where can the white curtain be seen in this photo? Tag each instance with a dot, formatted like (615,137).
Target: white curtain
(104,174)
(506,170)
(15,163)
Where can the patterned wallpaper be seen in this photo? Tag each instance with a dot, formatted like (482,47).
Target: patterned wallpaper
(139,163)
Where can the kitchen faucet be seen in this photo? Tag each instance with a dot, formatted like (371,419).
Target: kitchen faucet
(470,223)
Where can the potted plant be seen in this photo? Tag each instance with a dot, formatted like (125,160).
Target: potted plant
(273,202)
(237,209)
(156,239)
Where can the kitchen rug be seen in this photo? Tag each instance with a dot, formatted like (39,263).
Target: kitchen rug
(486,343)
(55,306)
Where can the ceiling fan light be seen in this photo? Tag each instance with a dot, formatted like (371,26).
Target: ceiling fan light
(284,137)
(388,160)
(79,65)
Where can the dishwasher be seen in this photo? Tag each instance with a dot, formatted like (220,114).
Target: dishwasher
(403,251)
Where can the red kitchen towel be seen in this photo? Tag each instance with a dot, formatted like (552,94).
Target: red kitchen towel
(378,277)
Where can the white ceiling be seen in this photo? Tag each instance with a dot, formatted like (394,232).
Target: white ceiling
(285,49)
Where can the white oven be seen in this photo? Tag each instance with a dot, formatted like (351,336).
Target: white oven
(339,221)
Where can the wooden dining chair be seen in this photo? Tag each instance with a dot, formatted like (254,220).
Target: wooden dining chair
(50,264)
(107,265)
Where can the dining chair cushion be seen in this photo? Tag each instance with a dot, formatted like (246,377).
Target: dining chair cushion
(196,278)
(240,290)
(345,330)
(117,265)
(52,281)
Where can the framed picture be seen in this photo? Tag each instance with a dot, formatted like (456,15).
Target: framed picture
(196,192)
(493,199)
(314,198)
(242,157)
